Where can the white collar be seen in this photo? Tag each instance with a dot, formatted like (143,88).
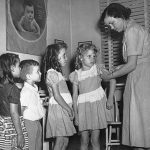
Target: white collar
(33,88)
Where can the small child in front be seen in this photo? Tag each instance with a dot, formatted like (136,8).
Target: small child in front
(31,104)
(13,134)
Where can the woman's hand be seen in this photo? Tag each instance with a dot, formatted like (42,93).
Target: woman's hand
(105,75)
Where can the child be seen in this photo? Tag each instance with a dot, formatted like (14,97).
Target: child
(90,105)
(30,102)
(27,22)
(13,134)
(60,114)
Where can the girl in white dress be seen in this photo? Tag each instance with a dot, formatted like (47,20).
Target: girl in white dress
(89,98)
(60,113)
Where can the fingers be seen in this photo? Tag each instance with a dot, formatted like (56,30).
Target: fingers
(21,141)
(76,122)
(109,107)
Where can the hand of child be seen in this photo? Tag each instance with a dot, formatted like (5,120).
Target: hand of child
(76,121)
(71,114)
(20,141)
(45,101)
(109,104)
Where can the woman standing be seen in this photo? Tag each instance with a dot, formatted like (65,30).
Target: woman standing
(136,53)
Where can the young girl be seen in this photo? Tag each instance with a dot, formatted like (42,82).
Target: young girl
(60,114)
(90,105)
(13,133)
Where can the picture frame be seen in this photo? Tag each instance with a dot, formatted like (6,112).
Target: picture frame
(79,43)
(58,41)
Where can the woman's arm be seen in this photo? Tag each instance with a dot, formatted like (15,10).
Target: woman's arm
(16,121)
(125,69)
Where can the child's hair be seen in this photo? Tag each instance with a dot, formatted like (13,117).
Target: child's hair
(27,67)
(28,3)
(81,49)
(50,59)
(6,61)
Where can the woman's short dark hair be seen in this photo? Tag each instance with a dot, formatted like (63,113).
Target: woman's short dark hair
(116,10)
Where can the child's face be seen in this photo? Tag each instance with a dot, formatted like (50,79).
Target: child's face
(15,69)
(62,57)
(88,59)
(29,13)
(35,76)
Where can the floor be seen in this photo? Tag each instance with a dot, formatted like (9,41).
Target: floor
(74,143)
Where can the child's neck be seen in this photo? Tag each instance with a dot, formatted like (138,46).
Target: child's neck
(85,68)
(30,82)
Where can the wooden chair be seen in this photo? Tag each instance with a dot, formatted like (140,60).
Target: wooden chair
(114,127)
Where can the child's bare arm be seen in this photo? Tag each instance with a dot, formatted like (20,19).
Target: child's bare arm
(17,124)
(75,97)
(112,88)
(36,26)
(61,101)
(23,108)
(20,25)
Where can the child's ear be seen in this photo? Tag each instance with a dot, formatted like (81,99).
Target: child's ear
(80,58)
(28,76)
(12,68)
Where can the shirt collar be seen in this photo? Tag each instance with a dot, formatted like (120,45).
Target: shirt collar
(33,88)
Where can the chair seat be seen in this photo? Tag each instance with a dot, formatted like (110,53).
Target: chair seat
(113,123)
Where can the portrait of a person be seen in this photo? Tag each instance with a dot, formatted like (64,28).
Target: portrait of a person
(28,18)
(27,22)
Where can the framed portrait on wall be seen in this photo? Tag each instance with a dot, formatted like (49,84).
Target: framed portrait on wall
(26,26)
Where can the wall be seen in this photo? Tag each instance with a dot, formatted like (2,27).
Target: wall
(84,17)
(69,20)
(73,21)
(58,25)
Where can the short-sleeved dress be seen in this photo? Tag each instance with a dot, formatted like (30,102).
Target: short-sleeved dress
(136,113)
(9,93)
(92,99)
(58,121)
